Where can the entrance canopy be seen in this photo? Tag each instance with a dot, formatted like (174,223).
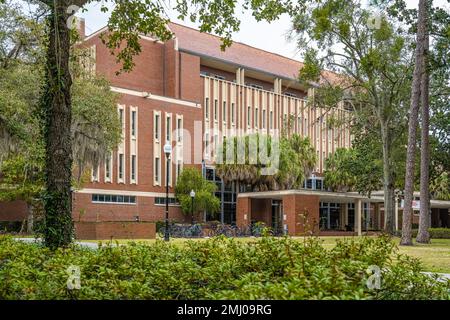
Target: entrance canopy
(299,210)
(324,196)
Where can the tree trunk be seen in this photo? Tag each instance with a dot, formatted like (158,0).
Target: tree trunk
(388,182)
(413,122)
(30,219)
(56,106)
(423,235)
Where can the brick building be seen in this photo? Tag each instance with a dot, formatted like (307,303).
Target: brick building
(189,92)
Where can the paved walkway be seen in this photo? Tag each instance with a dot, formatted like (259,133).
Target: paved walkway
(90,245)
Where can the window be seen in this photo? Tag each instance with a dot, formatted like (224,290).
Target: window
(207,144)
(216,111)
(219,77)
(207,108)
(178,168)
(256,118)
(256,86)
(179,130)
(95,173)
(121,166)
(288,94)
(232,112)
(168,127)
(133,167)
(248,116)
(271,120)
(157,169)
(299,123)
(224,112)
(108,168)
(133,123)
(264,120)
(121,118)
(157,125)
(319,184)
(113,199)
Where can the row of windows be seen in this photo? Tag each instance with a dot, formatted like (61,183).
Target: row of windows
(168,135)
(249,116)
(216,111)
(162,200)
(107,198)
(179,131)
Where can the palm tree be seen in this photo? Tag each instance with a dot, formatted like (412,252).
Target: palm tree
(297,159)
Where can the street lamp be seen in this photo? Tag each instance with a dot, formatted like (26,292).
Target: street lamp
(192,194)
(167,152)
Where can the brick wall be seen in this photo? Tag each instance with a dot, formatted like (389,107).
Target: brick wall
(114,230)
(86,211)
(13,211)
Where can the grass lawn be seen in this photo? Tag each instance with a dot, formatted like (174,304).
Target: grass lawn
(435,256)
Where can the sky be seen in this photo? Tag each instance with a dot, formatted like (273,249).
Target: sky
(267,36)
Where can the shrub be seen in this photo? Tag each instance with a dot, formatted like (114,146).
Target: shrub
(439,233)
(219,268)
(435,233)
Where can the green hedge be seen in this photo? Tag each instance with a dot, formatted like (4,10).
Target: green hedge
(219,268)
(435,233)
(439,233)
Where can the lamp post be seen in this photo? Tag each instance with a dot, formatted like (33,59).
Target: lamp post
(167,152)
(192,194)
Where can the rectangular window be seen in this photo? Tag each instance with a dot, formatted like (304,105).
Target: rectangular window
(256,118)
(157,126)
(121,166)
(232,112)
(216,111)
(133,123)
(168,128)
(224,112)
(121,118)
(108,168)
(113,199)
(157,169)
(248,116)
(179,130)
(264,120)
(178,168)
(133,167)
(207,108)
(95,174)
(319,184)
(271,120)
(207,144)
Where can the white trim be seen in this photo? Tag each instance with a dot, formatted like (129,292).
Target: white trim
(95,34)
(147,95)
(105,28)
(125,193)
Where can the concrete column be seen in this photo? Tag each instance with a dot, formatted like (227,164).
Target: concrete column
(358,211)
